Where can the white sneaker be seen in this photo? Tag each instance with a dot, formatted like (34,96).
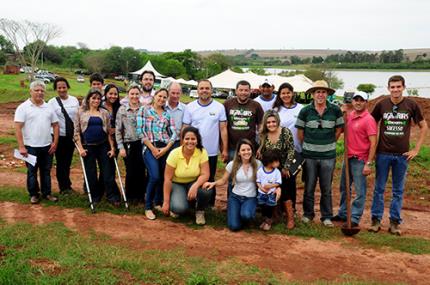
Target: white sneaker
(150,215)
(200,217)
(327,223)
(173,215)
(306,220)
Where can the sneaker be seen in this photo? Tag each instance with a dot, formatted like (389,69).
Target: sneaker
(394,228)
(173,215)
(375,227)
(327,223)
(51,198)
(200,217)
(338,218)
(306,220)
(34,200)
(150,215)
(158,208)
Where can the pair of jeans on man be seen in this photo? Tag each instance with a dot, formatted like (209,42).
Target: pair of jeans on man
(398,164)
(322,170)
(360,185)
(179,202)
(43,164)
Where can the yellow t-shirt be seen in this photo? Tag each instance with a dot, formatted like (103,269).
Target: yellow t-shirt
(186,173)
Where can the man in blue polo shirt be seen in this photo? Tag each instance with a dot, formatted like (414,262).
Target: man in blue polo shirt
(319,125)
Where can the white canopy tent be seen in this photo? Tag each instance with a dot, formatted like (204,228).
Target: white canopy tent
(229,78)
(148,66)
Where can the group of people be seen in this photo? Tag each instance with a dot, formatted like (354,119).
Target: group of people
(171,150)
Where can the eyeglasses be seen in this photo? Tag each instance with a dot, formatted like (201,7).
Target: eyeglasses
(394,110)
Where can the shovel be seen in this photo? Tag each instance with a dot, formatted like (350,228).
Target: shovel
(347,229)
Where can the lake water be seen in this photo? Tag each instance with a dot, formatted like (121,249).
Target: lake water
(419,80)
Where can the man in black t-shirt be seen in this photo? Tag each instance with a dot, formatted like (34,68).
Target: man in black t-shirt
(394,115)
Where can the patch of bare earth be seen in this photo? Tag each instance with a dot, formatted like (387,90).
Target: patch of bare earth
(296,258)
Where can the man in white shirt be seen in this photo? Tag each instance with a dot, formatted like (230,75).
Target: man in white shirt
(267,98)
(33,122)
(209,117)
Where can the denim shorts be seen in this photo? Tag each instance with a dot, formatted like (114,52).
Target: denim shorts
(266,199)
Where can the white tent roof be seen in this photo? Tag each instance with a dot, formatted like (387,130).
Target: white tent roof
(229,78)
(148,66)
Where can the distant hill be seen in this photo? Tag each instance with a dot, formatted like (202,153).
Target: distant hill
(302,53)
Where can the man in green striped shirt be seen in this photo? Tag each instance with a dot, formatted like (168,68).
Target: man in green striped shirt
(319,125)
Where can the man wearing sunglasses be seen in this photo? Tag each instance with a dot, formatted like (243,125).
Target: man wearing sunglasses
(395,115)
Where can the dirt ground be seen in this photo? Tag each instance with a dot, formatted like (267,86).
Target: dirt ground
(296,258)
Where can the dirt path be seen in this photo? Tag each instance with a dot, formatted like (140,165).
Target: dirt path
(297,258)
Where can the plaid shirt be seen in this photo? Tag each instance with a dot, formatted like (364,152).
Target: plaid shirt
(152,127)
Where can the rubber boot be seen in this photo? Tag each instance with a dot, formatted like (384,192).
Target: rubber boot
(289,214)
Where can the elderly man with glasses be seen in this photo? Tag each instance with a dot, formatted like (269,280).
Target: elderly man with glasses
(319,125)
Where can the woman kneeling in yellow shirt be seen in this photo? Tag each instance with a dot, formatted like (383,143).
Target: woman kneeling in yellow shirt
(187,168)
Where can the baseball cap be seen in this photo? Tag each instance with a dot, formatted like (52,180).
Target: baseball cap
(361,94)
(267,82)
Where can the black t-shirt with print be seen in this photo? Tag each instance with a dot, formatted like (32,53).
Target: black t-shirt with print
(395,126)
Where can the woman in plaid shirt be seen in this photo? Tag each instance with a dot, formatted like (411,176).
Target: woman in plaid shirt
(156,129)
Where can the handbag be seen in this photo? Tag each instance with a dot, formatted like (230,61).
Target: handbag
(297,163)
(68,122)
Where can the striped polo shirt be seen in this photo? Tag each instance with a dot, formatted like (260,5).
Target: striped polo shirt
(319,131)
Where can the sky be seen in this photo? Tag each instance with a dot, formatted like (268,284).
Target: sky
(173,25)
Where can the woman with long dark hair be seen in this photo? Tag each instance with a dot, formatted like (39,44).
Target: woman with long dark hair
(96,146)
(187,168)
(242,201)
(288,110)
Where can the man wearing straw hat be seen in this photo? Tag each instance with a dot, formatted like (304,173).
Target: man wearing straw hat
(319,125)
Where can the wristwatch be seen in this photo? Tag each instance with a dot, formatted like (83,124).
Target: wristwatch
(369,163)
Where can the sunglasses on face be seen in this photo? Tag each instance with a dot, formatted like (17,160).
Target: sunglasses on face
(394,110)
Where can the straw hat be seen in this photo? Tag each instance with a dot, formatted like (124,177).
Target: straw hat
(320,84)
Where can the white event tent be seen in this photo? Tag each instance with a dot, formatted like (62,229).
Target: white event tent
(229,78)
(148,66)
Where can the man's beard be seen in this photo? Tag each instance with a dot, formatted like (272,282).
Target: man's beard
(146,89)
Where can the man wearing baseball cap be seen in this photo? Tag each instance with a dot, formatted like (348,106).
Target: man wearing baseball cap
(361,132)
(319,125)
(267,98)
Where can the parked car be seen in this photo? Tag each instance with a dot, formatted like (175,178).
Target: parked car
(46,74)
(45,79)
(80,79)
(25,69)
(193,94)
(220,95)
(120,77)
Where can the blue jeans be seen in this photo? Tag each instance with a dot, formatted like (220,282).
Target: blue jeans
(43,164)
(399,165)
(240,209)
(179,203)
(322,170)
(266,199)
(355,175)
(154,189)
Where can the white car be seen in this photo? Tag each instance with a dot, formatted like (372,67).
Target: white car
(80,79)
(193,94)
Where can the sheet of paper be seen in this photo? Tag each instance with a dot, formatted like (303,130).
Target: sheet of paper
(30,158)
